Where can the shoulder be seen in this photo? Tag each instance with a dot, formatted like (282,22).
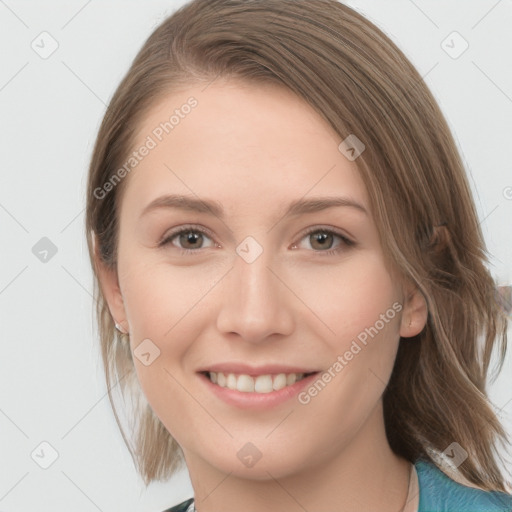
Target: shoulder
(439,493)
(182,507)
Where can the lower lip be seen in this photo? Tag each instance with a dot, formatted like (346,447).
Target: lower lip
(258,401)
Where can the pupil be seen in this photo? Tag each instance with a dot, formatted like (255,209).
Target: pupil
(321,239)
(190,237)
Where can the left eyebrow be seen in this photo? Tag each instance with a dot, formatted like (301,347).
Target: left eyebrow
(300,206)
(322,203)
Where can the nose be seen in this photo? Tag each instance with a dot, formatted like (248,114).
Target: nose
(255,302)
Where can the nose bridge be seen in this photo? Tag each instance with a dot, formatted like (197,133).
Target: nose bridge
(253,303)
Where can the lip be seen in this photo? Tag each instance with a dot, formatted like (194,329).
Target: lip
(257,401)
(255,371)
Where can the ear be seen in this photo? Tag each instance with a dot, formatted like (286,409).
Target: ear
(109,283)
(415,312)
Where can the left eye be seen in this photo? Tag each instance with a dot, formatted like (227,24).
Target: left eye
(323,239)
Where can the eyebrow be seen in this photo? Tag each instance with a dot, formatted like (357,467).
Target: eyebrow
(300,206)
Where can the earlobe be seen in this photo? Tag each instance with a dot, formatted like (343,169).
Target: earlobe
(414,317)
(109,284)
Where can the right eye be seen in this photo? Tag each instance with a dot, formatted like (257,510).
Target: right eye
(189,238)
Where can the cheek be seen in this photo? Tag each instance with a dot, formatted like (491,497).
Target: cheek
(352,297)
(360,306)
(163,304)
(166,303)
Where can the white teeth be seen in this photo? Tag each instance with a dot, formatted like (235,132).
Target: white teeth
(260,384)
(279,381)
(290,379)
(231,381)
(263,384)
(244,383)
(221,380)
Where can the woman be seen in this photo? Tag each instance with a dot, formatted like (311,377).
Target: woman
(291,272)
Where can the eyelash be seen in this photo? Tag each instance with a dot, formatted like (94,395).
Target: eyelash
(346,242)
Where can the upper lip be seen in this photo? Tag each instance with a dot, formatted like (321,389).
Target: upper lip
(267,369)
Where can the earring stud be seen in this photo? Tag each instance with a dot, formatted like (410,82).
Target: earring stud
(119,327)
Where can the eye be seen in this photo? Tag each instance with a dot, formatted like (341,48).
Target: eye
(190,239)
(322,238)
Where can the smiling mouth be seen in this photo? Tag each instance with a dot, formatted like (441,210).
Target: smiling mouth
(260,384)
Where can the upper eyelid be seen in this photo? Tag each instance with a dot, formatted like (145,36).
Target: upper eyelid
(333,230)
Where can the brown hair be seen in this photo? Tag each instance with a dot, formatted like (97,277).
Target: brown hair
(357,79)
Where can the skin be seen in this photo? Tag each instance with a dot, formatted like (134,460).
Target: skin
(255,149)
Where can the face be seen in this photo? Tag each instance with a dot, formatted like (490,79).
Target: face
(252,277)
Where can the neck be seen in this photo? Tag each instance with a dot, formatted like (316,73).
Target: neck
(364,475)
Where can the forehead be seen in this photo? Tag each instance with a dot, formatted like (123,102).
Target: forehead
(243,144)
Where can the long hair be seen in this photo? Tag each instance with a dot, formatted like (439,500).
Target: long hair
(358,80)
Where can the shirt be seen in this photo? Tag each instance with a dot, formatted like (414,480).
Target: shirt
(437,493)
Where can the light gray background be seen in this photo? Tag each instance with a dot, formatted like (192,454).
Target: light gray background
(51,380)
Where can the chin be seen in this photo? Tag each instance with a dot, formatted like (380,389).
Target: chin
(276,464)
